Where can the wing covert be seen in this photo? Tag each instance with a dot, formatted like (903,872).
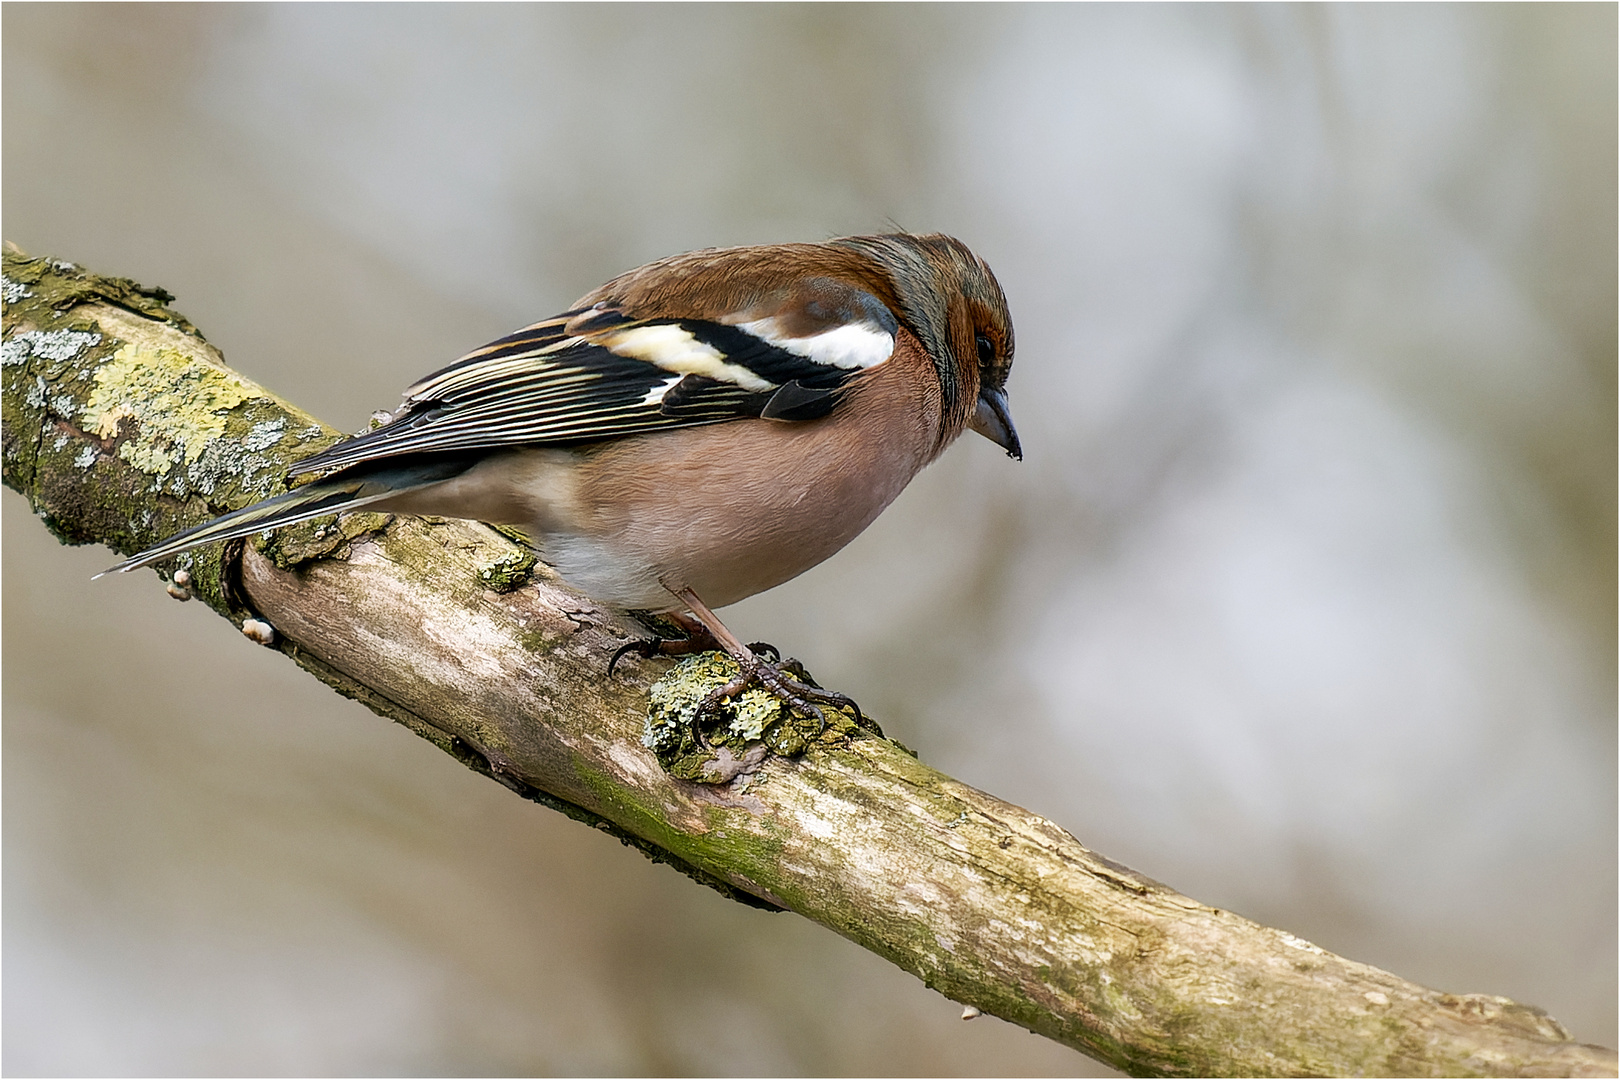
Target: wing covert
(597,373)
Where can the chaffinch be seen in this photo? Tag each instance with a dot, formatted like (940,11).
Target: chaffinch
(695,431)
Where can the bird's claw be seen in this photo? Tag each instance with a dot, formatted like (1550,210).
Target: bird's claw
(647,647)
(663,646)
(789,683)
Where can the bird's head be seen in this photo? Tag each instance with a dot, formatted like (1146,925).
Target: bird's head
(949,298)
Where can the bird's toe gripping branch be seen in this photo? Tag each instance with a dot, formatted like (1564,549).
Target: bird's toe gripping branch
(791,683)
(709,719)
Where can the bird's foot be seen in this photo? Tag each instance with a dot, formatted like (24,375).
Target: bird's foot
(697,639)
(710,718)
(743,699)
(788,682)
(646,648)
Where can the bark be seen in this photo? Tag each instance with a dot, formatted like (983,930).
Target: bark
(121,425)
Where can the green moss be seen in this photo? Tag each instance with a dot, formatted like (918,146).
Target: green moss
(536,641)
(508,571)
(319,538)
(735,729)
(740,853)
(57,285)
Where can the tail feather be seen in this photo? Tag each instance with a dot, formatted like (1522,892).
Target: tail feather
(347,490)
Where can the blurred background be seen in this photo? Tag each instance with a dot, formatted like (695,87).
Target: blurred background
(1303,600)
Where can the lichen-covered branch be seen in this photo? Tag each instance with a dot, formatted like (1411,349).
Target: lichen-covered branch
(122,425)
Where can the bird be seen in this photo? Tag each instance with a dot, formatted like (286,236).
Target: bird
(695,431)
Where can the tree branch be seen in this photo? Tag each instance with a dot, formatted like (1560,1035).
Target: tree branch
(122,425)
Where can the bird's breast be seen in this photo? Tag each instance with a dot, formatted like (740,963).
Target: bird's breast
(733,509)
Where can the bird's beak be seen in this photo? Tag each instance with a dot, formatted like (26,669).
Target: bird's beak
(992,420)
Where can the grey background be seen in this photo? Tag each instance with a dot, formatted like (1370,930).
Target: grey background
(1303,600)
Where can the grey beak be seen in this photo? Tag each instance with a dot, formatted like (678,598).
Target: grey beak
(992,420)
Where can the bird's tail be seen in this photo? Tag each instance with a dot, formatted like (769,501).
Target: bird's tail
(350,489)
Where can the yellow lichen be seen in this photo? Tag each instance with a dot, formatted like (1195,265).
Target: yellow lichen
(178,405)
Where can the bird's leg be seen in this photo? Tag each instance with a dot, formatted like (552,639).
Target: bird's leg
(801,696)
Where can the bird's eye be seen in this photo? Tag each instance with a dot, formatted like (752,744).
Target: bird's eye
(987,352)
